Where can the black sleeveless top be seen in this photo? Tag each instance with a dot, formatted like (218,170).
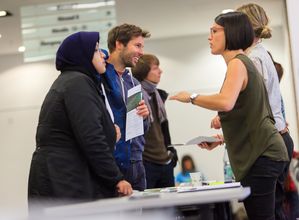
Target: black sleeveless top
(249,129)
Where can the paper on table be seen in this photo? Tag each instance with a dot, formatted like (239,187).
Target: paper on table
(208,187)
(198,140)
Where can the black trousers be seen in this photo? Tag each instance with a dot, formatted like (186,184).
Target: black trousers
(262,179)
(158,175)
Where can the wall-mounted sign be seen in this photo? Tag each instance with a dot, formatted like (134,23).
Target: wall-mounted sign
(45,26)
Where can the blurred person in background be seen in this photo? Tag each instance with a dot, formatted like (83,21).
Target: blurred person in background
(187,167)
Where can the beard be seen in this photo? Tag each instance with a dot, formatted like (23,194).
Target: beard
(126,59)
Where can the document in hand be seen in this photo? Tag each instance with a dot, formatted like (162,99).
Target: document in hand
(134,122)
(198,140)
(134,98)
(201,139)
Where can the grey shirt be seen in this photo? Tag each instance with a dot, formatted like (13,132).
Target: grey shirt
(263,62)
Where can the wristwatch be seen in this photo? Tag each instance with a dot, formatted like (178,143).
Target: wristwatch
(193,97)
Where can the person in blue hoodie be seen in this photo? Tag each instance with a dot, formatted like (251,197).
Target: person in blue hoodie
(125,44)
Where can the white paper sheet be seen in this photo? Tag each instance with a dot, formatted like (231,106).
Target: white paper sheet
(134,122)
(201,139)
(198,140)
(201,188)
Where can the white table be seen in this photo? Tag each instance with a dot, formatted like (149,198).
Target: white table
(161,200)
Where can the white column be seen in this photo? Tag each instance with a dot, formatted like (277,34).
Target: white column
(292,15)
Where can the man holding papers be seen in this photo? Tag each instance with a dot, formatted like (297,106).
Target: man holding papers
(125,43)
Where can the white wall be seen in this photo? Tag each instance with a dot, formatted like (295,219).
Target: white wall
(23,87)
(292,16)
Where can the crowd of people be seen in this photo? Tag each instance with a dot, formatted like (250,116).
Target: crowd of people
(85,150)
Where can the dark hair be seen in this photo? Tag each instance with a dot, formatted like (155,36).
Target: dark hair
(279,70)
(238,30)
(278,67)
(143,66)
(184,159)
(124,33)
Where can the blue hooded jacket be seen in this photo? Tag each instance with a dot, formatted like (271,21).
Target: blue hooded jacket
(131,149)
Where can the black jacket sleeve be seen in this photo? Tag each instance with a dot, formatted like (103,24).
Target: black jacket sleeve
(92,128)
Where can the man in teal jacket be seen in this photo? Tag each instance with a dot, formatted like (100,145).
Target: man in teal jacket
(125,43)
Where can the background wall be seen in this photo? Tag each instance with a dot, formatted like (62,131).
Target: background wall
(187,64)
(292,10)
(23,87)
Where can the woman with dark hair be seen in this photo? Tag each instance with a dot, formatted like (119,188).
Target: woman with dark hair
(73,160)
(256,150)
(188,167)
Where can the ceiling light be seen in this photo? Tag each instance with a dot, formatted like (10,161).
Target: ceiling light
(21,49)
(93,5)
(69,6)
(0,35)
(5,13)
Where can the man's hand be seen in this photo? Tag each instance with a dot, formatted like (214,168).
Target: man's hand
(124,188)
(142,109)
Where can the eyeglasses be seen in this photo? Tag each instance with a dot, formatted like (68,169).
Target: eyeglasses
(214,30)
